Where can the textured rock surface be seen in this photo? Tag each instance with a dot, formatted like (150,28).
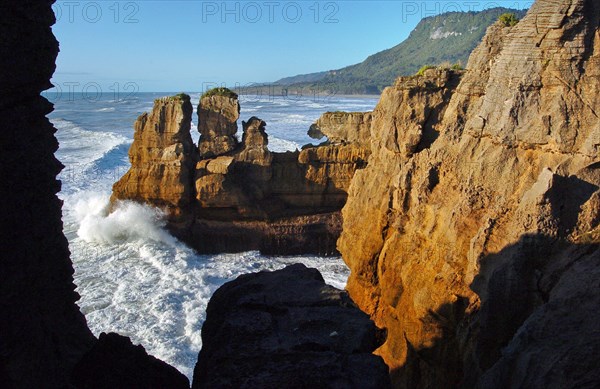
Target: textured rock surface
(472,229)
(246,199)
(217,124)
(114,362)
(42,332)
(343,127)
(292,235)
(287,329)
(162,157)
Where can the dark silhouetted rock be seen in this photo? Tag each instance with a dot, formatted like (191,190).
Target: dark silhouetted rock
(287,329)
(42,332)
(114,362)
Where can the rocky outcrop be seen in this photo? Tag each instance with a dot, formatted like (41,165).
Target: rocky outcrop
(42,332)
(218,113)
(343,127)
(114,362)
(469,232)
(242,197)
(287,329)
(162,157)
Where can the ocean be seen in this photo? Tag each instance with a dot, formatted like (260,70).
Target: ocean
(134,278)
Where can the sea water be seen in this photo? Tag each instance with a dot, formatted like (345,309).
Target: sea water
(134,278)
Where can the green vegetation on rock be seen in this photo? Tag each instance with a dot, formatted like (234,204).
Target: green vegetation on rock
(181,96)
(423,69)
(508,19)
(220,92)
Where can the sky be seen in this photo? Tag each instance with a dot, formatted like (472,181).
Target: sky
(193,45)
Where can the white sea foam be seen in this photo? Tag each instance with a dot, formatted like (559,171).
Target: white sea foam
(129,222)
(137,280)
(80,146)
(279,145)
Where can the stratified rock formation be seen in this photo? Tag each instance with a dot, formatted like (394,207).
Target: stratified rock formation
(287,329)
(240,196)
(114,362)
(218,113)
(162,157)
(472,234)
(343,127)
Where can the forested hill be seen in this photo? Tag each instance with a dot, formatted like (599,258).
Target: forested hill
(446,38)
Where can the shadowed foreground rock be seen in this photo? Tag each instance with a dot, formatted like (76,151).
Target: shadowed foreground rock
(287,329)
(43,334)
(114,362)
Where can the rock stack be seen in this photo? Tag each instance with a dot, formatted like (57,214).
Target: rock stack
(162,156)
(218,113)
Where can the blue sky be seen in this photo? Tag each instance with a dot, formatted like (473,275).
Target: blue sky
(191,45)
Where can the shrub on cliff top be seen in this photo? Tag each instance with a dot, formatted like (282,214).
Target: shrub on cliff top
(508,19)
(424,68)
(181,96)
(220,92)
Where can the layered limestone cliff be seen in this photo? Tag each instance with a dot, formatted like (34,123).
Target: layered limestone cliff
(343,127)
(233,196)
(472,234)
(217,123)
(162,157)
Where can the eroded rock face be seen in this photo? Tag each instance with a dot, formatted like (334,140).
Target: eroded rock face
(466,232)
(248,198)
(217,124)
(114,362)
(162,156)
(287,329)
(343,127)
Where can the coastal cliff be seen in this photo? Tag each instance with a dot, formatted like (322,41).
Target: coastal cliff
(227,195)
(472,234)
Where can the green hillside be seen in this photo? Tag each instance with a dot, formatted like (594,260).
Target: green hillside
(447,38)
